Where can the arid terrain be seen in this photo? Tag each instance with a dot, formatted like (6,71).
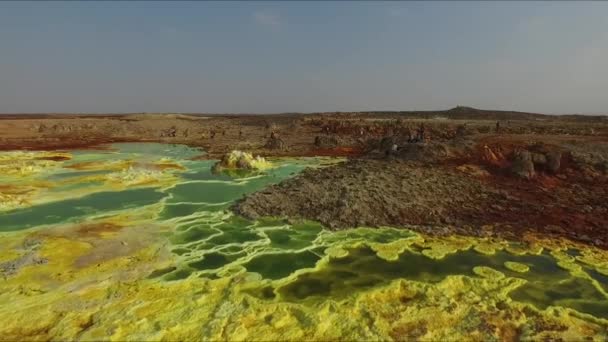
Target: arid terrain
(450,225)
(470,171)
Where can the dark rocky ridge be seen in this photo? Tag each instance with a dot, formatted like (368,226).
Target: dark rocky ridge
(369,192)
(431,188)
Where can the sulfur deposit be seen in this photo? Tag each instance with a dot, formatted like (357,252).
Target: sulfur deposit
(148,251)
(238,160)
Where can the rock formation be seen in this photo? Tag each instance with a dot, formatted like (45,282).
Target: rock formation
(238,160)
(523,165)
(275,143)
(322,141)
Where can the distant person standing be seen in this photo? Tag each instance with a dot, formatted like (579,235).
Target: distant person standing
(497,126)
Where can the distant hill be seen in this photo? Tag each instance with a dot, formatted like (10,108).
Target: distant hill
(473,113)
(456,113)
(470,113)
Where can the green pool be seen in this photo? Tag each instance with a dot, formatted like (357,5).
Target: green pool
(136,241)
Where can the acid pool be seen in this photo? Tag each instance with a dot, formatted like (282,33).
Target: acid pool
(135,242)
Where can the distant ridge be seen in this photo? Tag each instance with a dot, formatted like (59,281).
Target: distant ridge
(474,113)
(456,113)
(470,113)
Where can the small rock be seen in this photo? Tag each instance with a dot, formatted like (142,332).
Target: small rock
(555,229)
(585,238)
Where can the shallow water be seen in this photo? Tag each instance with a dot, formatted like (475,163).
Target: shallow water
(113,205)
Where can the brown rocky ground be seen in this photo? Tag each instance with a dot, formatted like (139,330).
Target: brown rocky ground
(472,185)
(466,178)
(438,200)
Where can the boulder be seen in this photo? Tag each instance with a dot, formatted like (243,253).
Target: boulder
(522,165)
(425,152)
(275,143)
(553,161)
(538,159)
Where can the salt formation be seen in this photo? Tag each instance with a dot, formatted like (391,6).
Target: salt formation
(136,176)
(238,160)
(18,163)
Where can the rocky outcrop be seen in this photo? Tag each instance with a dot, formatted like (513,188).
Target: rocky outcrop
(591,162)
(493,158)
(238,160)
(553,161)
(523,165)
(169,132)
(538,159)
(526,164)
(275,143)
(372,193)
(322,141)
(425,152)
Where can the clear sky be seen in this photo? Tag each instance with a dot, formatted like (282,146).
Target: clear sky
(290,56)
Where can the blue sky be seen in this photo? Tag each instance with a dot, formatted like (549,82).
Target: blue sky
(303,56)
